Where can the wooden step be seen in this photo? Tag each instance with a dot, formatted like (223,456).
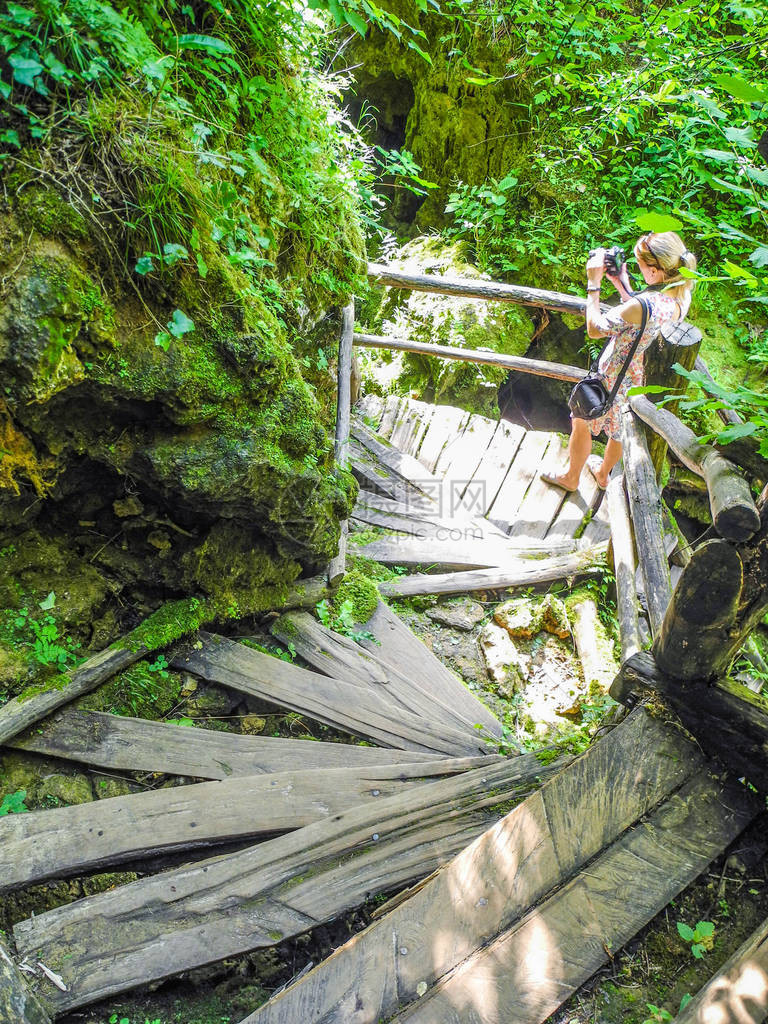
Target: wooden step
(445,426)
(132,744)
(464,554)
(492,884)
(142,825)
(398,646)
(351,707)
(529,459)
(194,915)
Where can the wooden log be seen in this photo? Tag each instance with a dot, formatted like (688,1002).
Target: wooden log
(343,403)
(354,708)
(184,817)
(738,992)
(397,646)
(221,907)
(132,744)
(728,720)
(18,1005)
(342,658)
(692,642)
(306,593)
(537,367)
(645,504)
(530,970)
(624,567)
(524,574)
(676,343)
(492,884)
(734,513)
(464,554)
(337,566)
(476,289)
(597,663)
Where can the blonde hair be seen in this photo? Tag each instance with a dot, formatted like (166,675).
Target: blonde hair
(666,251)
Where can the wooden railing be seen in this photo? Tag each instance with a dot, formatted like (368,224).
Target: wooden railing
(722,593)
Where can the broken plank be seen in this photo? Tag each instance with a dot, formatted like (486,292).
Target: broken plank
(459,461)
(112,831)
(353,707)
(738,993)
(415,526)
(132,744)
(527,462)
(399,647)
(193,915)
(397,462)
(526,572)
(342,658)
(445,515)
(526,973)
(411,428)
(570,519)
(466,554)
(492,884)
(370,407)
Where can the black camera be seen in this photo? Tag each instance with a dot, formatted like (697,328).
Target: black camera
(613,259)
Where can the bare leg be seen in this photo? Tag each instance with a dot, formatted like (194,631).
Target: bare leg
(610,458)
(579,447)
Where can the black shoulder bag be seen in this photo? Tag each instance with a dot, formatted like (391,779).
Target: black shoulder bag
(590,399)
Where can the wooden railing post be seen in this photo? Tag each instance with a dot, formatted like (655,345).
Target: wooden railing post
(337,565)
(677,343)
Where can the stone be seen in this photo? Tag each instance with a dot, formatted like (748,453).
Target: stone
(252,725)
(211,700)
(65,789)
(554,617)
(107,787)
(507,667)
(18,1005)
(129,506)
(520,617)
(464,614)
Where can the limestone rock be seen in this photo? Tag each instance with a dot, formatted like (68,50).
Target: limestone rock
(554,617)
(463,614)
(507,667)
(252,725)
(520,617)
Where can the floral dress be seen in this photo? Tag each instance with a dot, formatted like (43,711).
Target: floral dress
(663,310)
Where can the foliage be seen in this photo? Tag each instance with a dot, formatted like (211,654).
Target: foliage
(13,803)
(701,937)
(39,635)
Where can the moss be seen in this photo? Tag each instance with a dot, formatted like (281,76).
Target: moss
(170,622)
(43,210)
(359,593)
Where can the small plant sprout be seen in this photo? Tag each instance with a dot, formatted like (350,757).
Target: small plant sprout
(701,937)
(13,803)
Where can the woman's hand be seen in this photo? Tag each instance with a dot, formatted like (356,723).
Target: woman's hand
(621,282)
(596,267)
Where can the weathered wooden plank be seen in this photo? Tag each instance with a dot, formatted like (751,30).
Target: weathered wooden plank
(406,466)
(445,427)
(459,462)
(677,343)
(416,525)
(464,554)
(411,426)
(193,915)
(733,509)
(623,567)
(728,719)
(373,477)
(538,509)
(492,883)
(525,573)
(476,289)
(528,461)
(17,1004)
(410,517)
(371,408)
(568,521)
(389,415)
(693,640)
(645,503)
(526,973)
(342,658)
(132,744)
(353,707)
(738,992)
(398,647)
(159,821)
(494,465)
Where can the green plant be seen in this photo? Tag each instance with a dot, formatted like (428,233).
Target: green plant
(659,1015)
(342,619)
(701,937)
(42,637)
(13,803)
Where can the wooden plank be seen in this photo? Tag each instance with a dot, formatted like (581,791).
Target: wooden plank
(528,460)
(623,567)
(373,477)
(132,744)
(398,647)
(424,418)
(411,426)
(490,885)
(444,428)
(459,460)
(17,1004)
(527,972)
(196,914)
(343,386)
(159,821)
(738,992)
(476,289)
(645,504)
(427,515)
(568,521)
(340,657)
(410,469)
(353,707)
(402,422)
(465,554)
(525,573)
(542,501)
(481,493)
(389,415)
(457,529)
(370,407)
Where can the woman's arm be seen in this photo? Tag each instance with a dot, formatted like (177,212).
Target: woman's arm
(597,324)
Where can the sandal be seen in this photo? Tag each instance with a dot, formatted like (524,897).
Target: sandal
(593,465)
(550,478)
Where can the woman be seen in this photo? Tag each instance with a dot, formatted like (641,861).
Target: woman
(659,257)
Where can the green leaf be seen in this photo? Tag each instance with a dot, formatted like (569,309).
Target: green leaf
(180,324)
(721,155)
(202,266)
(193,41)
(709,105)
(760,256)
(685,1000)
(685,931)
(173,253)
(21,15)
(741,89)
(704,929)
(655,221)
(358,23)
(10,138)
(163,340)
(49,602)
(740,136)
(738,273)
(757,174)
(144,265)
(25,70)
(698,950)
